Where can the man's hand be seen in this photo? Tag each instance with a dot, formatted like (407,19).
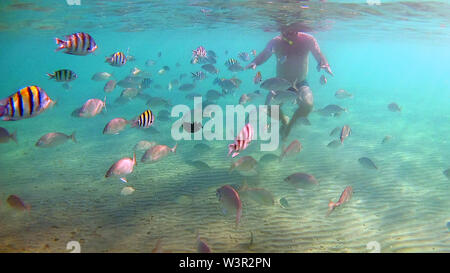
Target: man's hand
(326,67)
(251,65)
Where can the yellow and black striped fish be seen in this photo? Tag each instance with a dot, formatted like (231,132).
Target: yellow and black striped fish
(231,61)
(63,75)
(117,59)
(79,43)
(25,103)
(145,120)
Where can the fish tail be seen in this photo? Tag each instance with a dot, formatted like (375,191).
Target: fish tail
(331,207)
(51,76)
(104,103)
(134,159)
(234,154)
(230,148)
(174,149)
(73,137)
(238,216)
(61,43)
(14,136)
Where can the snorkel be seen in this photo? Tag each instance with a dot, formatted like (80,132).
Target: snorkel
(286,34)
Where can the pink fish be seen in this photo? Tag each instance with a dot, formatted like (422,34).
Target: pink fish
(115,126)
(345,132)
(157,152)
(323,80)
(92,108)
(122,168)
(15,202)
(229,197)
(345,197)
(242,140)
(294,147)
(109,86)
(199,52)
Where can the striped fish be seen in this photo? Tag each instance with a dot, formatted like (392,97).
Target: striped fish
(145,120)
(199,75)
(117,59)
(63,75)
(146,83)
(242,140)
(231,61)
(77,44)
(25,103)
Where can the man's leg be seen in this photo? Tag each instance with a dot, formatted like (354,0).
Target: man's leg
(305,105)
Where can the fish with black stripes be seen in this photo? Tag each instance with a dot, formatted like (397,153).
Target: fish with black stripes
(117,59)
(28,102)
(145,120)
(231,61)
(63,75)
(79,43)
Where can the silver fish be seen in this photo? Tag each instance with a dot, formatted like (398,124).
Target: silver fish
(342,94)
(331,110)
(281,96)
(54,139)
(334,144)
(393,107)
(186,87)
(101,76)
(276,84)
(386,139)
(447,173)
(302,180)
(210,68)
(5,136)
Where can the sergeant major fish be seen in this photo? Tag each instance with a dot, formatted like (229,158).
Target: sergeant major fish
(79,43)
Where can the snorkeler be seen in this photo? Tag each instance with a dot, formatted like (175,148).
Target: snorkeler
(292,48)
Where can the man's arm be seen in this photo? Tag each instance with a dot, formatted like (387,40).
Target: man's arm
(315,50)
(263,56)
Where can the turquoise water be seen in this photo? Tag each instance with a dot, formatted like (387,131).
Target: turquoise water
(394,52)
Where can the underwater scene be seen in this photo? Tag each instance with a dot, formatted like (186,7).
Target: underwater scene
(224,126)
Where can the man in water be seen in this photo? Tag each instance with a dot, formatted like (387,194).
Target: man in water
(292,48)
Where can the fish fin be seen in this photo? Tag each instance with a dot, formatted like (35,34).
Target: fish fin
(73,137)
(134,159)
(174,149)
(124,180)
(51,76)
(231,148)
(13,136)
(234,154)
(331,207)
(104,104)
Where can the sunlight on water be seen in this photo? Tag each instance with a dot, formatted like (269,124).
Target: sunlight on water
(380,53)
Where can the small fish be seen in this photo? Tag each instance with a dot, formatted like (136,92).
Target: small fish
(231,61)
(199,52)
(447,173)
(258,78)
(294,148)
(146,83)
(116,59)
(130,82)
(276,84)
(5,136)
(198,76)
(235,67)
(268,159)
(334,144)
(254,52)
(199,164)
(345,197)
(115,126)
(367,163)
(159,54)
(127,191)
(16,203)
(101,76)
(229,198)
(63,75)
(92,107)
(67,86)
(323,80)
(186,87)
(135,71)
(246,164)
(331,110)
(302,180)
(210,68)
(282,59)
(192,127)
(109,86)
(144,145)
(342,94)
(284,202)
(79,43)
(242,140)
(345,132)
(122,168)
(157,153)
(194,60)
(54,139)
(212,95)
(259,195)
(393,107)
(144,120)
(130,93)
(244,56)
(28,102)
(281,96)
(150,63)
(386,139)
